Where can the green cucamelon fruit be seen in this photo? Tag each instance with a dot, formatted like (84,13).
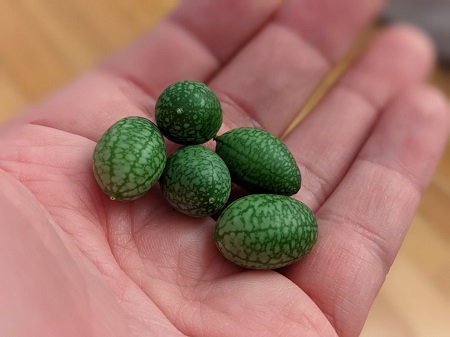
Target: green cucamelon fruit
(129,158)
(258,161)
(188,112)
(196,181)
(265,231)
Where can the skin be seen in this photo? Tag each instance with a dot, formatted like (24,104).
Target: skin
(75,263)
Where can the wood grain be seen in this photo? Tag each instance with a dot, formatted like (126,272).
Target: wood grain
(45,44)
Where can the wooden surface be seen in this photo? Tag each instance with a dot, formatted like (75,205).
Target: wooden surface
(44,44)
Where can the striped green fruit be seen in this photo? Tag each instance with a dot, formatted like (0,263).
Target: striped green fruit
(265,231)
(258,161)
(196,181)
(129,158)
(188,112)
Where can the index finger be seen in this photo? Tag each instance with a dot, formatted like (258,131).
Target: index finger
(192,43)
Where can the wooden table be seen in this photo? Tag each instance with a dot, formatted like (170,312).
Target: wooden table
(45,44)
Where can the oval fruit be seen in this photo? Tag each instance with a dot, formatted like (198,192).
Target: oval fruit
(265,231)
(196,181)
(129,158)
(258,161)
(188,112)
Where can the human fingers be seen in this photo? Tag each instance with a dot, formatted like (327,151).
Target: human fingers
(328,139)
(363,222)
(184,46)
(192,43)
(99,99)
(274,75)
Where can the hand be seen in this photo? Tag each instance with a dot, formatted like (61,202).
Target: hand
(74,263)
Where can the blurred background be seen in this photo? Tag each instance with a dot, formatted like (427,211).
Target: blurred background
(431,15)
(46,43)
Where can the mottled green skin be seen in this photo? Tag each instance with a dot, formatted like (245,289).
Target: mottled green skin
(258,161)
(188,112)
(196,181)
(265,231)
(129,158)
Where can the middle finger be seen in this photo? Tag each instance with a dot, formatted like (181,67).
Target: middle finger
(276,73)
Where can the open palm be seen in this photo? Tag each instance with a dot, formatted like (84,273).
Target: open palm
(75,263)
